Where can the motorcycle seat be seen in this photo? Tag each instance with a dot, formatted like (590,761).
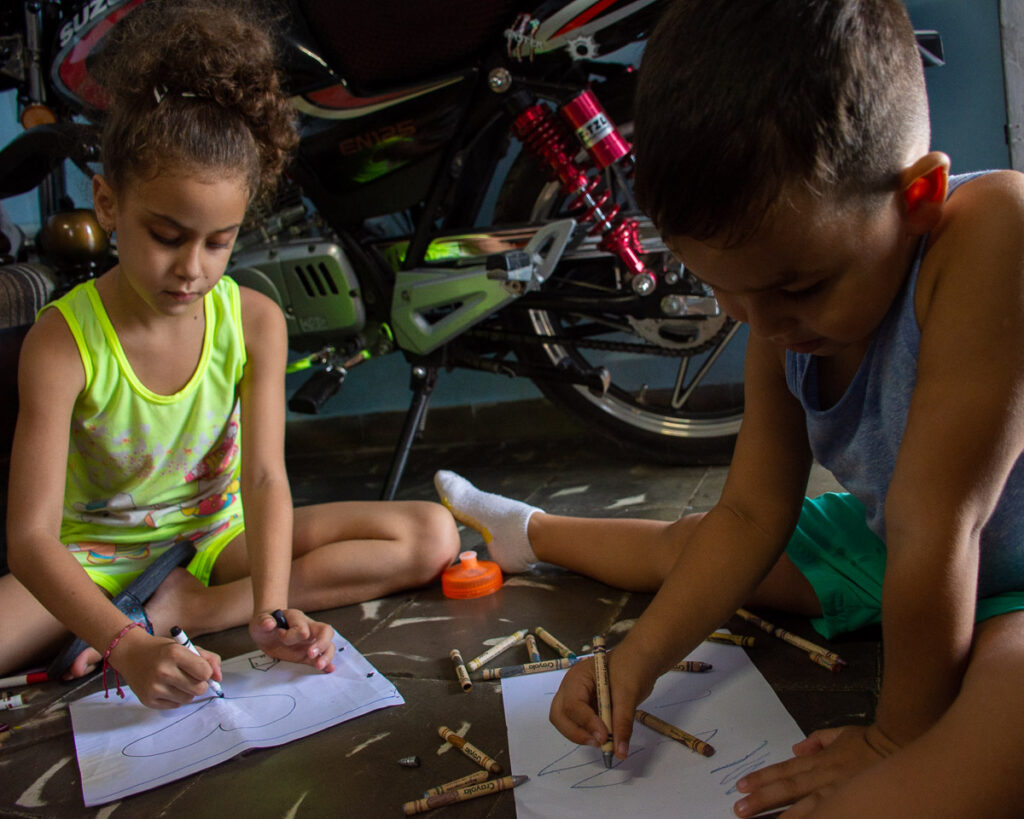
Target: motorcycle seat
(390,43)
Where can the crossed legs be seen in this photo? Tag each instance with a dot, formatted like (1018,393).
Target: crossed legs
(343,553)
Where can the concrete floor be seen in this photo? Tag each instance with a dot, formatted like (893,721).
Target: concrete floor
(352,768)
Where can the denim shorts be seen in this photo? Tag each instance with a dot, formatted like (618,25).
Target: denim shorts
(844,561)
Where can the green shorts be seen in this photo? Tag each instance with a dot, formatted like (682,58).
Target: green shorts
(208,545)
(844,561)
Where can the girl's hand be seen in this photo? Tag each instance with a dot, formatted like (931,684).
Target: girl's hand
(573,709)
(305,640)
(162,673)
(822,762)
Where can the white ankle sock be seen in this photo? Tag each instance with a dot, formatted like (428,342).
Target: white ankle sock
(502,521)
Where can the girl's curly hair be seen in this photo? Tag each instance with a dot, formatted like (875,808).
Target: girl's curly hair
(195,85)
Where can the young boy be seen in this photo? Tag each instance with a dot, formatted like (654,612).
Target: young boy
(783,152)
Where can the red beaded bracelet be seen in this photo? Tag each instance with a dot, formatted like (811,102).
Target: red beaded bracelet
(106,659)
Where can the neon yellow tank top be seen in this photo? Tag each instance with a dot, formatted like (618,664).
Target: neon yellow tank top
(144,469)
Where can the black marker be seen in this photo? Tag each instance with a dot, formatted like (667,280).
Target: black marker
(279,618)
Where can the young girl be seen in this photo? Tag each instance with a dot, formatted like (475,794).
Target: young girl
(166,375)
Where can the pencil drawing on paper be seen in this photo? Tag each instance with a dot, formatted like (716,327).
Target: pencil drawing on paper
(732,707)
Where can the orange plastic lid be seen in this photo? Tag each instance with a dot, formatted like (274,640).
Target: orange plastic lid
(470,577)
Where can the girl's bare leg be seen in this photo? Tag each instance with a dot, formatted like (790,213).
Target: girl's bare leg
(344,553)
(31,635)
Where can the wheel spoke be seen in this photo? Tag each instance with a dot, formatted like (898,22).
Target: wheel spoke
(679,401)
(684,364)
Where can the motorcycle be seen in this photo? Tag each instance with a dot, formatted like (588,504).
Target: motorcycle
(461,195)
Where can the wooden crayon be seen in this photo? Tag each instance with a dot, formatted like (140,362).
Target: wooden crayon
(825,662)
(731,639)
(531,648)
(470,750)
(562,649)
(604,697)
(461,782)
(669,730)
(834,661)
(496,649)
(692,665)
(462,794)
(526,668)
(461,673)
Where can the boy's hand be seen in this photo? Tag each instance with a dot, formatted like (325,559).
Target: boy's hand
(573,709)
(305,640)
(822,762)
(162,673)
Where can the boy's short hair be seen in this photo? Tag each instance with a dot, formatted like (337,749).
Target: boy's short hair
(741,100)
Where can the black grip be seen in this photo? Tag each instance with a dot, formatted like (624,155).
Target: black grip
(314,393)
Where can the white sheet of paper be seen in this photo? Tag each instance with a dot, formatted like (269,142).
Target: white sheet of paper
(732,707)
(124,747)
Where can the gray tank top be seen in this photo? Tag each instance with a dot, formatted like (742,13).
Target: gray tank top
(858,437)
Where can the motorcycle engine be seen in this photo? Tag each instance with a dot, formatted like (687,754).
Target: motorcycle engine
(313,282)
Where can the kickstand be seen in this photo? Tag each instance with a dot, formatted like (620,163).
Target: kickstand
(421,382)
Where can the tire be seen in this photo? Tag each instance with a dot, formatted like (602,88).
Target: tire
(679,398)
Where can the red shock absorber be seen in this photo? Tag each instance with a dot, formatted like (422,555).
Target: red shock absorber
(547,138)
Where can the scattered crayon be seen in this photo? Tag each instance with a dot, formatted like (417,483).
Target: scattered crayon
(409,762)
(669,730)
(461,782)
(555,643)
(470,750)
(531,648)
(692,665)
(527,668)
(460,670)
(732,639)
(496,649)
(825,662)
(604,697)
(819,655)
(462,794)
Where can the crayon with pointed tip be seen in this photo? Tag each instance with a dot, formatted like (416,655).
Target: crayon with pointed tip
(604,697)
(555,643)
(526,668)
(496,649)
(669,730)
(462,794)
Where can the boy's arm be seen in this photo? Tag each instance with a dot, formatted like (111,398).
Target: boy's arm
(727,555)
(964,434)
(50,378)
(266,496)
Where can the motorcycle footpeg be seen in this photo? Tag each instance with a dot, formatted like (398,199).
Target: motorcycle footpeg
(311,396)
(513,266)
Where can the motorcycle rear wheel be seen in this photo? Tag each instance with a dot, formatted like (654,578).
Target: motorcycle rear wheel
(678,399)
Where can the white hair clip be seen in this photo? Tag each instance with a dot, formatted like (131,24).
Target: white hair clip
(160,91)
